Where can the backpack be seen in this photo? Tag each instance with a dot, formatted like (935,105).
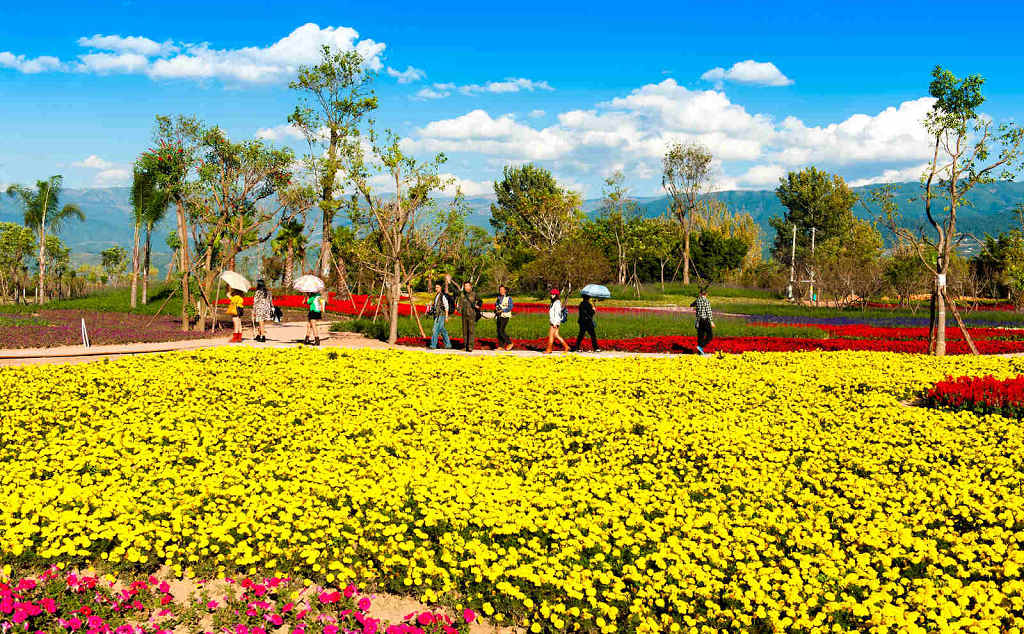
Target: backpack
(565,314)
(452,306)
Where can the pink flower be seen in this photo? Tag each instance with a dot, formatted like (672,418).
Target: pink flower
(241,629)
(330,629)
(163,587)
(74,624)
(164,600)
(49,605)
(212,605)
(288,607)
(370,626)
(125,629)
(448,629)
(163,612)
(27,584)
(330,597)
(276,619)
(257,630)
(468,615)
(364,604)
(425,618)
(350,591)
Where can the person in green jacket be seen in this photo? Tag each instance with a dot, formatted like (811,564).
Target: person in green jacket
(315,301)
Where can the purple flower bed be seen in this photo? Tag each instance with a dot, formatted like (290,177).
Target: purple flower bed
(49,328)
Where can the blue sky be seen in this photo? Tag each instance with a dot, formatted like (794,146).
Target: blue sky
(581,88)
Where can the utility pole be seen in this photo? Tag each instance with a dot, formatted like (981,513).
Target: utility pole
(814,298)
(792,265)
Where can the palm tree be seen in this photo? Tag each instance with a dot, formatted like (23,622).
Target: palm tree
(149,206)
(42,212)
(289,242)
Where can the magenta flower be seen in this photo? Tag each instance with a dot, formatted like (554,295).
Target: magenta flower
(468,615)
(364,604)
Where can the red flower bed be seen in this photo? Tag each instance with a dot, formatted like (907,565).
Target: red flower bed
(864,331)
(996,306)
(979,394)
(680,344)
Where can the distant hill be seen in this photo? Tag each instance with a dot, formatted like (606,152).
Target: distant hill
(108,214)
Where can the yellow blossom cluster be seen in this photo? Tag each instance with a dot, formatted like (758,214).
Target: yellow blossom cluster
(760,492)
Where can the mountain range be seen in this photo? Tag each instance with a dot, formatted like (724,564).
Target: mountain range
(108,214)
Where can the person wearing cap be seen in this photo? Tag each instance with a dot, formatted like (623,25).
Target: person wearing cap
(555,319)
(705,322)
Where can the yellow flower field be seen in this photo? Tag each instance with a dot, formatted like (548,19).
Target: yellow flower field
(760,492)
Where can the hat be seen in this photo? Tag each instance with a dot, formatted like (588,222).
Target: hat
(555,292)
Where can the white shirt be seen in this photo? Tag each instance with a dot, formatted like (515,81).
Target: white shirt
(555,313)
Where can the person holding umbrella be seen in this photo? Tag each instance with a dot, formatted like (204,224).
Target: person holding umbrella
(237,285)
(312,286)
(587,318)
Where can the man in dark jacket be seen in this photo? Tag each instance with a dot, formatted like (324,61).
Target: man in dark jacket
(469,306)
(587,317)
(705,320)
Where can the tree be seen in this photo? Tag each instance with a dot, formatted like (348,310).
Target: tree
(906,274)
(58,260)
(531,212)
(390,220)
(173,164)
(967,150)
(16,243)
(813,199)
(243,193)
(149,205)
(848,267)
(717,217)
(715,254)
(686,176)
(335,97)
(568,265)
(617,210)
(289,243)
(43,211)
(113,261)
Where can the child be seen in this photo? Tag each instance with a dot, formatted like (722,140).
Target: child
(316,308)
(235,310)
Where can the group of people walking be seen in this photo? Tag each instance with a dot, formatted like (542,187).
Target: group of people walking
(448,298)
(264,312)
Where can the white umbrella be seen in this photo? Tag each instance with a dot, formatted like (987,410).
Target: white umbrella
(309,284)
(235,281)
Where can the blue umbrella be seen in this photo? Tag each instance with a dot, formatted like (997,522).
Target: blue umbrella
(596,291)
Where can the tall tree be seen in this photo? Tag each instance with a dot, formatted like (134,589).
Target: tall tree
(144,197)
(686,176)
(43,211)
(391,219)
(289,243)
(16,244)
(816,200)
(617,210)
(155,210)
(531,211)
(113,260)
(335,96)
(173,162)
(967,150)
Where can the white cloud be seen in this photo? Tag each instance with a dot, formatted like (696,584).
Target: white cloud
(93,162)
(632,132)
(432,93)
(748,72)
(279,133)
(30,66)
(104,63)
(274,63)
(407,76)
(469,187)
(899,175)
(113,177)
(131,44)
(506,86)
(537,114)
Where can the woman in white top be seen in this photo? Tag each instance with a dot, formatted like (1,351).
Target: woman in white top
(555,319)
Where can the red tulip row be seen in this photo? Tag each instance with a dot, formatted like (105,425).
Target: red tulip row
(980,394)
(681,344)
(864,331)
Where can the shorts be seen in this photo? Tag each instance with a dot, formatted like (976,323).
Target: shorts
(314,315)
(238,313)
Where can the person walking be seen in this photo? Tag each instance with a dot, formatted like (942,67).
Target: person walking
(235,310)
(705,321)
(556,316)
(440,309)
(315,302)
(502,313)
(469,307)
(262,309)
(587,318)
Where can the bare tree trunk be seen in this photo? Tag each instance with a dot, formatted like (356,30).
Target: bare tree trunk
(135,265)
(325,248)
(395,293)
(940,321)
(289,266)
(686,252)
(663,276)
(41,287)
(146,266)
(171,266)
(184,263)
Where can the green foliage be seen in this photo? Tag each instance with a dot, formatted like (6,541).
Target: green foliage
(712,255)
(812,198)
(113,260)
(531,212)
(16,244)
(42,205)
